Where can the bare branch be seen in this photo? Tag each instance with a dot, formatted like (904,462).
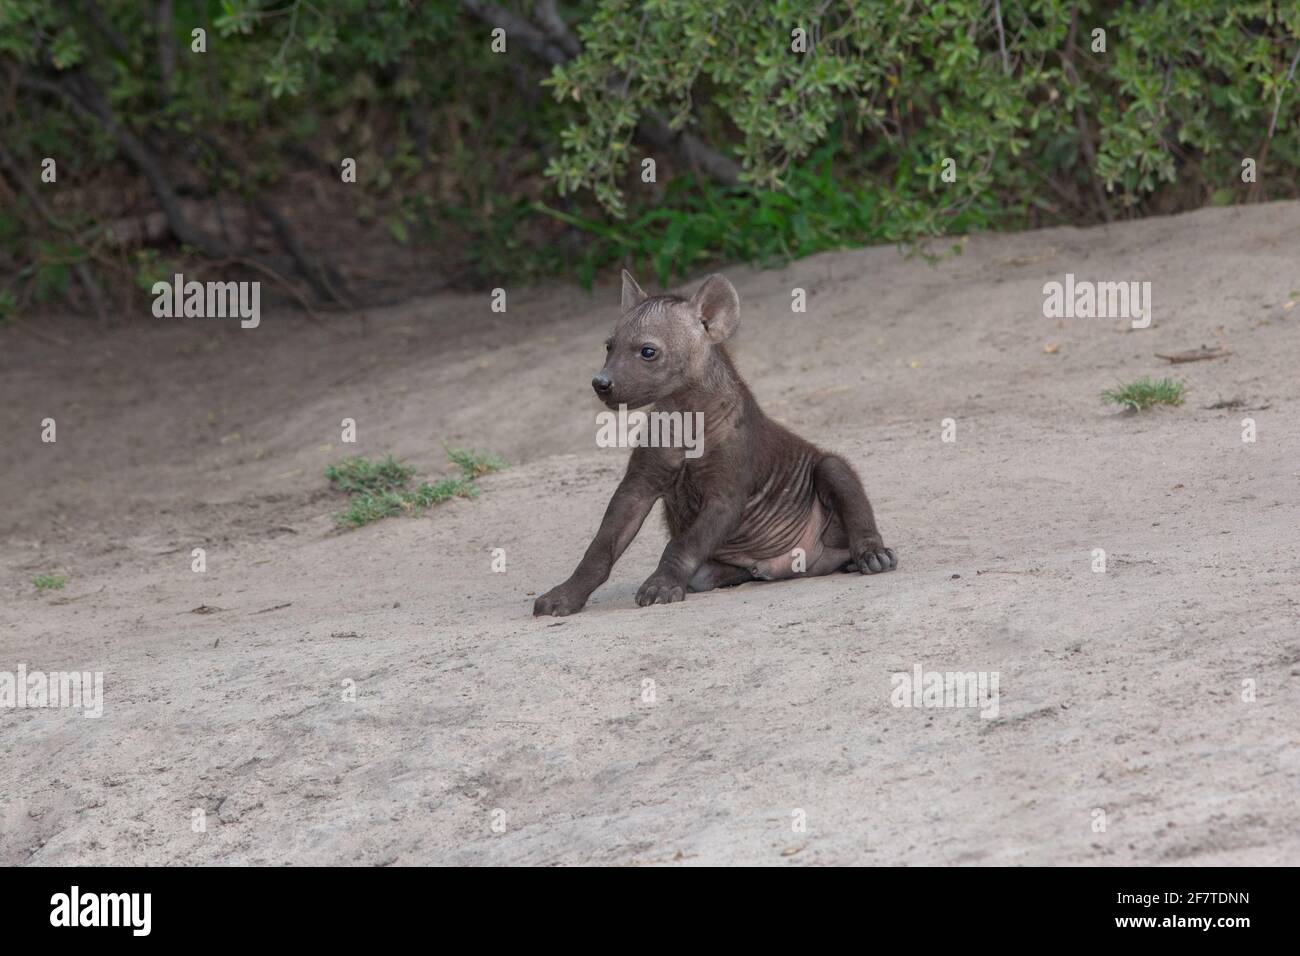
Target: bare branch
(1002,40)
(1295,60)
(1081,119)
(166,48)
(556,29)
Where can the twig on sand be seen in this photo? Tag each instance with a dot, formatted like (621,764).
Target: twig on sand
(1195,355)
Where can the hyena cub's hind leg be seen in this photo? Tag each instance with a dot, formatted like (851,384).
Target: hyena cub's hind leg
(840,489)
(714,574)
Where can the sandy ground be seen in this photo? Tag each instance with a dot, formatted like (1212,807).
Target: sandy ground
(482,735)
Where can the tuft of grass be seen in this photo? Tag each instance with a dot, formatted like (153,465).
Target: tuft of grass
(379,489)
(443,489)
(49,582)
(357,475)
(1146,393)
(472,464)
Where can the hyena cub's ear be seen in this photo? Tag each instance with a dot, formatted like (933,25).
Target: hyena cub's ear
(632,294)
(718,307)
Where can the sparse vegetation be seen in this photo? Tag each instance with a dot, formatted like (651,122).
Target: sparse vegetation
(380,488)
(1146,393)
(49,582)
(357,475)
(472,464)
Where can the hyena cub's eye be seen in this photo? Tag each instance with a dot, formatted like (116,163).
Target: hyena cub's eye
(648,352)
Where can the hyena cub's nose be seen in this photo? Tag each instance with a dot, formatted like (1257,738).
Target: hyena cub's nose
(602,384)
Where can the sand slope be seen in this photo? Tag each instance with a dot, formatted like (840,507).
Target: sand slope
(1119,692)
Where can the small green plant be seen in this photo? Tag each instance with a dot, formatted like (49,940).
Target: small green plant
(1146,393)
(472,464)
(357,475)
(379,489)
(49,582)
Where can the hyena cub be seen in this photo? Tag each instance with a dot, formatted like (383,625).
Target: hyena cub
(759,502)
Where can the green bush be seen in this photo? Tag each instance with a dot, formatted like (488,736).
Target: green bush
(1182,83)
(520,170)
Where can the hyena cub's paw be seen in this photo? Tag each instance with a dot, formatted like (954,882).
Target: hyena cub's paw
(557,602)
(660,590)
(873,557)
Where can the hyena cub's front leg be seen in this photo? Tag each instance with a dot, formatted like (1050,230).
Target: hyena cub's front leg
(840,488)
(623,519)
(689,551)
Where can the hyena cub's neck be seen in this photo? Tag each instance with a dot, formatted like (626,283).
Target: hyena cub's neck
(719,394)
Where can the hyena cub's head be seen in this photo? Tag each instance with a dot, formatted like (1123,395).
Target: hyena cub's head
(664,343)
